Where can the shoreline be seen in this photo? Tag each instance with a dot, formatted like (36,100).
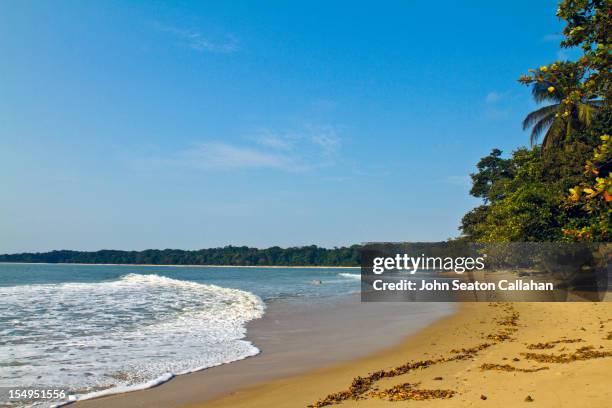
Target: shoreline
(294,339)
(184,266)
(480,352)
(500,354)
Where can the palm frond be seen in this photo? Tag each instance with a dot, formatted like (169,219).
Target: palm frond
(595,102)
(586,113)
(568,129)
(538,115)
(555,131)
(540,127)
(541,94)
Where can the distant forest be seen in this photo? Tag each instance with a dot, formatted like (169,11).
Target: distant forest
(229,255)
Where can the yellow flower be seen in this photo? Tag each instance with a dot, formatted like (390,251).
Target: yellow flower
(575,194)
(543,68)
(565,114)
(605,138)
(588,190)
(551,89)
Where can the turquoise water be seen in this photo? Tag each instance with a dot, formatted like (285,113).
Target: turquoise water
(96,329)
(267,283)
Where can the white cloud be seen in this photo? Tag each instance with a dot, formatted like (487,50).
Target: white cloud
(274,140)
(326,137)
(197,41)
(313,149)
(223,156)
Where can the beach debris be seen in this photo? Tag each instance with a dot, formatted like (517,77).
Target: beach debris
(529,398)
(472,350)
(516,359)
(508,367)
(360,385)
(438,378)
(483,397)
(540,346)
(501,336)
(331,399)
(511,320)
(552,344)
(363,387)
(583,353)
(407,391)
(509,324)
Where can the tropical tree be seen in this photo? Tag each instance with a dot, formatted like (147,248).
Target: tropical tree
(561,84)
(588,26)
(491,169)
(526,196)
(591,200)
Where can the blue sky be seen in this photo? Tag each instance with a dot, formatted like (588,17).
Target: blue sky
(135,125)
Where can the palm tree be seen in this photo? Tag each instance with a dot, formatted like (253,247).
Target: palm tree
(558,120)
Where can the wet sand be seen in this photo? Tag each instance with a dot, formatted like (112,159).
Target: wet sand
(294,338)
(488,354)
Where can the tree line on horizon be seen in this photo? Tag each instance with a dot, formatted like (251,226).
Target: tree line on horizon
(230,255)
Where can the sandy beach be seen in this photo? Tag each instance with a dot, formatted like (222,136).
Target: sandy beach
(505,354)
(217,204)
(294,338)
(495,354)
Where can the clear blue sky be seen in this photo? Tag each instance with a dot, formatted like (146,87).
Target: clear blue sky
(133,125)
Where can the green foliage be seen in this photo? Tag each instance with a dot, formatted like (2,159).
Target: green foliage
(524,205)
(491,170)
(588,25)
(526,196)
(473,224)
(577,89)
(229,255)
(527,214)
(560,83)
(529,202)
(590,201)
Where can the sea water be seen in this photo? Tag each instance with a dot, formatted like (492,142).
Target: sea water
(95,330)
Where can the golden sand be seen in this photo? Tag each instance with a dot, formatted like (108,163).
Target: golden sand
(488,354)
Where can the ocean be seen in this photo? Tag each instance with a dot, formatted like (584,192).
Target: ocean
(98,329)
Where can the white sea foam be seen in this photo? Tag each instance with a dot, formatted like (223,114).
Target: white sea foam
(350,275)
(121,335)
